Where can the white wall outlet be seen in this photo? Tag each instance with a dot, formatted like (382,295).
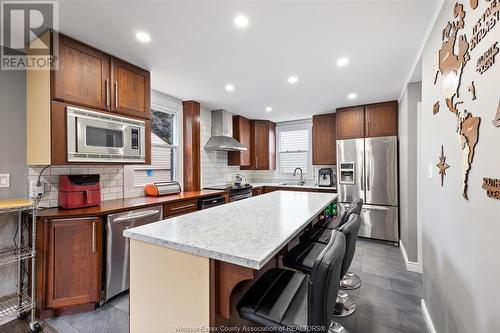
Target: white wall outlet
(430,170)
(4,180)
(37,190)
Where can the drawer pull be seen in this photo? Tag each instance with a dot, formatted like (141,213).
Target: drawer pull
(183,207)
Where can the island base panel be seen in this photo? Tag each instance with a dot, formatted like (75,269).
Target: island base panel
(169,290)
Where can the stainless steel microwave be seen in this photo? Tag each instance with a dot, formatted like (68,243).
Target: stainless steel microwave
(100,137)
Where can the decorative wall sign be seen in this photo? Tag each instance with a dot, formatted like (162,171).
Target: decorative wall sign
(492,187)
(474,3)
(486,22)
(442,166)
(496,120)
(450,62)
(487,59)
(472,90)
(435,108)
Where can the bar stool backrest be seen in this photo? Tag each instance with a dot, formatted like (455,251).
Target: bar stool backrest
(324,281)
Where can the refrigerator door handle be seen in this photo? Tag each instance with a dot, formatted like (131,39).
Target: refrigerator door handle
(368,173)
(363,170)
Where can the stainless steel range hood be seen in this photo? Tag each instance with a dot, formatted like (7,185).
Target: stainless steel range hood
(222,133)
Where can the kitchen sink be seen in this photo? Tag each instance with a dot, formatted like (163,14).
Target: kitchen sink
(294,184)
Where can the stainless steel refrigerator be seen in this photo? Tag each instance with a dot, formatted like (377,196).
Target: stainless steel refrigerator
(368,169)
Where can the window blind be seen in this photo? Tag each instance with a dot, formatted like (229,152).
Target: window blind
(294,150)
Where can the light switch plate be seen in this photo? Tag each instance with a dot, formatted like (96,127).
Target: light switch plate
(4,180)
(430,170)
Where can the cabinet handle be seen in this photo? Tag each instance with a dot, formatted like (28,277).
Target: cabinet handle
(94,249)
(256,162)
(116,94)
(106,90)
(182,207)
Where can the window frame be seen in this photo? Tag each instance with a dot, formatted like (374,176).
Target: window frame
(293,126)
(131,190)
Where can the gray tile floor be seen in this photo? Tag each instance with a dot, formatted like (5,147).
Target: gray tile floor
(387,302)
(389,299)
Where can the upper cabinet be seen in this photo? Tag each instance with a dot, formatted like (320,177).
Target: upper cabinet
(381,119)
(83,76)
(323,139)
(365,121)
(351,122)
(131,89)
(262,145)
(241,133)
(91,78)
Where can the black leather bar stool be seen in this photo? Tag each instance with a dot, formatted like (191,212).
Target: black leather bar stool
(293,301)
(322,234)
(303,255)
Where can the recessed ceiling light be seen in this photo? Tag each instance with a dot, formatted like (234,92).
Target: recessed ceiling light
(341,62)
(293,79)
(352,96)
(229,87)
(143,37)
(241,21)
(269,109)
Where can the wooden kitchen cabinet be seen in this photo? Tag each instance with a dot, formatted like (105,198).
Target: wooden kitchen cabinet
(83,76)
(365,121)
(180,208)
(242,133)
(130,89)
(263,145)
(350,122)
(72,252)
(257,191)
(324,146)
(381,119)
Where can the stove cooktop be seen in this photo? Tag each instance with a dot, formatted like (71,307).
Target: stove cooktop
(228,187)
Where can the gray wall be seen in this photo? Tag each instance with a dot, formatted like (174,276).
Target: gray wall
(461,239)
(12,159)
(408,167)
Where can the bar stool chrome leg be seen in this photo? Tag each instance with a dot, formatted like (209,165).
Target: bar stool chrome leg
(350,281)
(337,328)
(345,305)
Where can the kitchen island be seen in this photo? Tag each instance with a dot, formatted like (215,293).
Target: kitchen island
(183,270)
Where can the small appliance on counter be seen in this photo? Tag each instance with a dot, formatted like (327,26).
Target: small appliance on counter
(162,188)
(325,177)
(79,191)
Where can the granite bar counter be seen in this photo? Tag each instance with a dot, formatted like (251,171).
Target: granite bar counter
(183,269)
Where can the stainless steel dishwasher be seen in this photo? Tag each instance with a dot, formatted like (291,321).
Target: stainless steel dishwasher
(117,246)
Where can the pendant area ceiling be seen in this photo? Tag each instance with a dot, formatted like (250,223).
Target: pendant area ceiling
(196,49)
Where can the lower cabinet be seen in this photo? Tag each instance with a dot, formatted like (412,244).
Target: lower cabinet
(257,191)
(68,263)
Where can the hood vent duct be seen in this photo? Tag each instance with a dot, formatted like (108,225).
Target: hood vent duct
(222,133)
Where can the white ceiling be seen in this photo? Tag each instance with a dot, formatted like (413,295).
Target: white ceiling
(196,49)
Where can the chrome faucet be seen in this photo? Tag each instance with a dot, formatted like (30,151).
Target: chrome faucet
(301,182)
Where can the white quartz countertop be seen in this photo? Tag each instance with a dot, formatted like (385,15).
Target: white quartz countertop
(306,185)
(247,232)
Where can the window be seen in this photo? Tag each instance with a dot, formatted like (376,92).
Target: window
(294,147)
(164,147)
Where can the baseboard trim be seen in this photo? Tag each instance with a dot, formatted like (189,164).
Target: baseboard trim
(427,318)
(410,265)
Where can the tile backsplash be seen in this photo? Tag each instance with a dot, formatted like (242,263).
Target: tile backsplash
(111,180)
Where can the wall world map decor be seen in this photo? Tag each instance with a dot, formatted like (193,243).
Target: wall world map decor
(435,108)
(450,61)
(492,187)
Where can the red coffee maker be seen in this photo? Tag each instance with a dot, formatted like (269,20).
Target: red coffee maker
(78,191)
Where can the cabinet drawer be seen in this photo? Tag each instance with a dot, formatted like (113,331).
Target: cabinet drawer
(179,208)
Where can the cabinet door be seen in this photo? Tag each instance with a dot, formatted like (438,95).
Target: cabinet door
(131,89)
(83,76)
(324,140)
(241,132)
(381,119)
(74,262)
(350,122)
